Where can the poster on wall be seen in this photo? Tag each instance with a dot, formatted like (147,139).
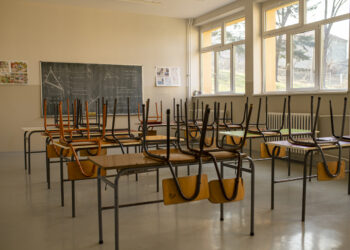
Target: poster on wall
(13,72)
(168,77)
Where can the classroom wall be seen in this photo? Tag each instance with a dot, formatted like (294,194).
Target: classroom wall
(35,32)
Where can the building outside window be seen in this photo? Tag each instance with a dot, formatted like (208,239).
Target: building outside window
(306,46)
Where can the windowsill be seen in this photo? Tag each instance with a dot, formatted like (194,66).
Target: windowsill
(218,95)
(284,93)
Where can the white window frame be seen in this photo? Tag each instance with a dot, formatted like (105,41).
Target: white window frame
(289,31)
(217,48)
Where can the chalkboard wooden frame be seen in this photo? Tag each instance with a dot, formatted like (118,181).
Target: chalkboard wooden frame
(117,79)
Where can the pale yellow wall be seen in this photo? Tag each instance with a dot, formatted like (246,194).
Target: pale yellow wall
(36,32)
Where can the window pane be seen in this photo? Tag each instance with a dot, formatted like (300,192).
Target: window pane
(211,37)
(335,55)
(223,70)
(303,60)
(208,73)
(239,68)
(275,63)
(282,16)
(235,31)
(317,10)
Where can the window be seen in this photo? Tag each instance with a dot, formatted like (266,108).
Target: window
(223,70)
(303,60)
(239,69)
(211,37)
(317,10)
(235,30)
(223,58)
(306,49)
(275,64)
(208,72)
(335,50)
(282,16)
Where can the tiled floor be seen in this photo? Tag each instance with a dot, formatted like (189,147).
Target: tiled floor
(31,216)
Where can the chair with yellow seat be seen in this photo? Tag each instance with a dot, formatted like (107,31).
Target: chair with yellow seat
(325,170)
(180,189)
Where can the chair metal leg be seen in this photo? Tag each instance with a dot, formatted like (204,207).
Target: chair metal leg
(222,204)
(61,178)
(25,149)
(73,198)
(310,169)
(99,206)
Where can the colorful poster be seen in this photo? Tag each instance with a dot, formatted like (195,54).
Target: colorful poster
(13,72)
(168,76)
(4,67)
(18,67)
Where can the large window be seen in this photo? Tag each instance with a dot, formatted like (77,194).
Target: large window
(306,46)
(223,57)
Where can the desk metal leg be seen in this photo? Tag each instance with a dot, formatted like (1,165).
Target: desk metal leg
(61,178)
(25,149)
(304,186)
(252,195)
(48,178)
(99,206)
(157,173)
(116,211)
(250,147)
(29,153)
(222,204)
(273,178)
(349,174)
(310,170)
(289,161)
(73,199)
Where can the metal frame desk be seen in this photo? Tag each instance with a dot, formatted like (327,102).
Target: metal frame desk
(308,151)
(134,162)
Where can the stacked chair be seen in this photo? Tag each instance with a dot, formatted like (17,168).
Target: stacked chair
(325,170)
(192,188)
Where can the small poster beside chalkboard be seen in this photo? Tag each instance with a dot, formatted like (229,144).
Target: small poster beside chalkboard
(168,76)
(13,72)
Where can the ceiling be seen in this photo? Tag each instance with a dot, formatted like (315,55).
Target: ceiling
(169,8)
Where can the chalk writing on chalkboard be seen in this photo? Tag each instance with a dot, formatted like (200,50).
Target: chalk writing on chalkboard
(89,82)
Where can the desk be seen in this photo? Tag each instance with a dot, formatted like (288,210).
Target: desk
(252,136)
(134,162)
(153,140)
(308,151)
(28,132)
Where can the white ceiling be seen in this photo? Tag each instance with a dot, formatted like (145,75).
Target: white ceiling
(169,8)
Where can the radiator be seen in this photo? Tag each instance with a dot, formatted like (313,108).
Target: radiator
(298,121)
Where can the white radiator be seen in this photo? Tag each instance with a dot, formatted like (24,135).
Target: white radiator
(298,121)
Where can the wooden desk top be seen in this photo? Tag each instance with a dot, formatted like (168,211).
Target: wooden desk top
(285,132)
(287,144)
(126,142)
(123,161)
(37,129)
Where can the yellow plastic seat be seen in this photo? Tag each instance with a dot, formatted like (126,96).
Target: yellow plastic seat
(216,194)
(332,166)
(237,140)
(188,186)
(90,152)
(264,153)
(74,172)
(51,152)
